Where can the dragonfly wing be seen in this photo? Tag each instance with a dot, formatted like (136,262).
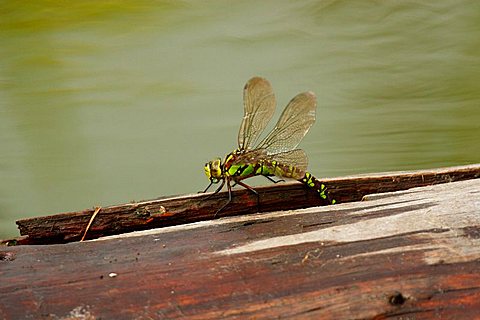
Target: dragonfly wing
(259,106)
(296,158)
(293,125)
(251,157)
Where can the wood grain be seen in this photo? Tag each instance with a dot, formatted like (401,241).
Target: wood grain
(68,227)
(404,255)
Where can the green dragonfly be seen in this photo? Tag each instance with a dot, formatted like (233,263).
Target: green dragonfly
(277,154)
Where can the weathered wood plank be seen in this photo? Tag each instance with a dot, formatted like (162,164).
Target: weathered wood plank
(409,254)
(67,227)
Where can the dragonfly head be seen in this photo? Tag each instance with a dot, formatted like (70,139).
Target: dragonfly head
(213,170)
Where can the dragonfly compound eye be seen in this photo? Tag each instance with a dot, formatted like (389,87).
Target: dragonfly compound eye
(216,168)
(213,170)
(208,170)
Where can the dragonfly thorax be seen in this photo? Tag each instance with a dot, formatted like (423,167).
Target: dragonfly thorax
(216,170)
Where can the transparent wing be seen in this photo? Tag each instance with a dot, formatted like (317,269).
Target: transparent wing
(250,157)
(259,106)
(295,158)
(293,125)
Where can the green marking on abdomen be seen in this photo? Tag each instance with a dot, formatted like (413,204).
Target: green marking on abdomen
(314,183)
(273,168)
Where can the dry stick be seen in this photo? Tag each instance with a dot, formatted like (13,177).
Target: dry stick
(97,210)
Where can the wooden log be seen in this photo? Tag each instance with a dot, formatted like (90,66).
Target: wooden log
(67,227)
(411,254)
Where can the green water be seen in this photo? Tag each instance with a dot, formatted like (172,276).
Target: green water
(106,102)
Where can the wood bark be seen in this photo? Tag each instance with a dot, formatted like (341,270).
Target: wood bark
(411,254)
(68,227)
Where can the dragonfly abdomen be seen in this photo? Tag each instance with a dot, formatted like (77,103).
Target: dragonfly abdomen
(273,168)
(317,185)
(265,168)
(283,170)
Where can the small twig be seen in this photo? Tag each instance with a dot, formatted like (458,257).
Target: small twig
(97,210)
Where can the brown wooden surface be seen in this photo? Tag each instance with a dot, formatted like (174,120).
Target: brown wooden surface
(412,254)
(67,227)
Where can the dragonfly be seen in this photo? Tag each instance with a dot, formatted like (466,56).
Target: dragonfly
(277,154)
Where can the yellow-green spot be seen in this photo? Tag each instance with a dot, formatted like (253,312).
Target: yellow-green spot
(233,169)
(248,170)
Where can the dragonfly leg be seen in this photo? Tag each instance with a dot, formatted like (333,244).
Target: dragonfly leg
(246,186)
(208,187)
(216,191)
(274,181)
(229,187)
(220,187)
